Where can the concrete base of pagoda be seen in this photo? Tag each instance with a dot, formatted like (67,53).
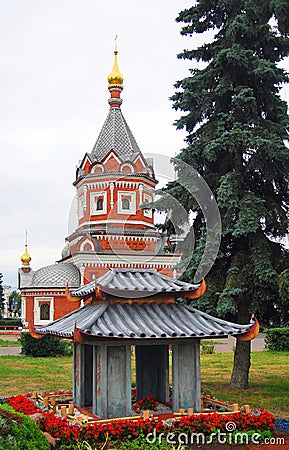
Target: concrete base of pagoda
(102,376)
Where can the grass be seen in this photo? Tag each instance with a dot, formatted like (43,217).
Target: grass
(22,374)
(4,343)
(268,381)
(269,378)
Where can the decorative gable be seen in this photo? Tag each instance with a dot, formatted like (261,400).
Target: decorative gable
(112,161)
(84,166)
(86,245)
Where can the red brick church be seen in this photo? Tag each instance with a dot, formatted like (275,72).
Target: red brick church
(113,230)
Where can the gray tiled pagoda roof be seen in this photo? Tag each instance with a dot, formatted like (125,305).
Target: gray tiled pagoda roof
(115,134)
(141,321)
(56,275)
(134,282)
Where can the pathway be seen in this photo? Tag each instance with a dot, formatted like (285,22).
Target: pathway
(228,344)
(221,346)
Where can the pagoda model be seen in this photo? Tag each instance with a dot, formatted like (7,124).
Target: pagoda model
(141,308)
(112,181)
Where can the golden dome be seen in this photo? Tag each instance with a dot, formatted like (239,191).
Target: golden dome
(115,78)
(25,258)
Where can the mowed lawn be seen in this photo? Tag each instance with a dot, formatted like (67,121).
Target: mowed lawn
(269,378)
(268,381)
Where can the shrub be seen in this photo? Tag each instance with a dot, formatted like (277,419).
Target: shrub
(208,347)
(12,321)
(19,432)
(277,339)
(45,347)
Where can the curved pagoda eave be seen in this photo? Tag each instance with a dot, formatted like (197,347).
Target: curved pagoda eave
(136,283)
(134,322)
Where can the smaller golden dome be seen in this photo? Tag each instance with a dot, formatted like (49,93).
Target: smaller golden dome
(115,78)
(25,258)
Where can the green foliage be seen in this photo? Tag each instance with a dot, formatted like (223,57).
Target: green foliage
(237,125)
(14,302)
(208,347)
(44,347)
(277,339)
(140,442)
(249,214)
(237,129)
(284,287)
(2,299)
(19,432)
(6,343)
(11,321)
(259,435)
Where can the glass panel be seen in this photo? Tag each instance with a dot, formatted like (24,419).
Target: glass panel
(44,311)
(125,203)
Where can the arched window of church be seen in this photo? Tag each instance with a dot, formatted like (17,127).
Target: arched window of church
(125,203)
(44,311)
(99,204)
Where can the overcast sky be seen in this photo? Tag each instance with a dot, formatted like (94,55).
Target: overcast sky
(54,63)
(55,58)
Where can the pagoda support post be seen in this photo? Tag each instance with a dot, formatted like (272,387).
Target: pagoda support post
(82,375)
(78,375)
(186,376)
(112,381)
(152,371)
(88,374)
(119,381)
(99,406)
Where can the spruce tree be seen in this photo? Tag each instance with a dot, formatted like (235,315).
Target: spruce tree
(237,128)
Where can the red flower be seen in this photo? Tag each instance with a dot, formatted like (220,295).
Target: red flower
(68,434)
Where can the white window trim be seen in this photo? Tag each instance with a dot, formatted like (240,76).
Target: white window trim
(147,212)
(23,308)
(97,166)
(93,200)
(132,209)
(80,209)
(130,166)
(37,300)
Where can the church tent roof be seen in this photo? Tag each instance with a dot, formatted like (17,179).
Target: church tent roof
(115,134)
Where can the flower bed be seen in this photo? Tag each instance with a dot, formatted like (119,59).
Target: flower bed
(68,434)
(10,333)
(144,403)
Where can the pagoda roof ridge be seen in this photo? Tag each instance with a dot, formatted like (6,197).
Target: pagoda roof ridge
(134,281)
